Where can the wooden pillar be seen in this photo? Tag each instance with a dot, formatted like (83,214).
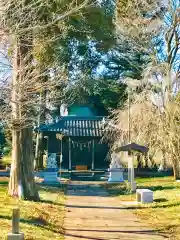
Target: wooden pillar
(70,154)
(93,145)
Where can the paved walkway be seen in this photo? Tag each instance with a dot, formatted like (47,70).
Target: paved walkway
(93,215)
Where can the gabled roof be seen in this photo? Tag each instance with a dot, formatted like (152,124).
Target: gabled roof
(133,147)
(76,126)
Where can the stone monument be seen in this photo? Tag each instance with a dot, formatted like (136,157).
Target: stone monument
(51,161)
(50,174)
(115,170)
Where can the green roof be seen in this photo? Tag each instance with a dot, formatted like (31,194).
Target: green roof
(76,126)
(81,111)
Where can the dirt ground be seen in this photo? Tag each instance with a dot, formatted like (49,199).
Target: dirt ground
(91,214)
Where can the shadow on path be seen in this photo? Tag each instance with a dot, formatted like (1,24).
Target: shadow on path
(82,189)
(144,232)
(98,207)
(93,214)
(38,223)
(122,208)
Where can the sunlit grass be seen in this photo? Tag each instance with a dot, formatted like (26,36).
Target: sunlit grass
(6,160)
(164,213)
(39,220)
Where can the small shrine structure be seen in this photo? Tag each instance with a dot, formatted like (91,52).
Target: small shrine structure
(81,146)
(131,148)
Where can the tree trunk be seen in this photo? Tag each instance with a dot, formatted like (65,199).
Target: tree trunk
(41,119)
(39,152)
(15,174)
(39,138)
(22,182)
(151,159)
(139,162)
(176,170)
(29,189)
(14,182)
(146,159)
(163,164)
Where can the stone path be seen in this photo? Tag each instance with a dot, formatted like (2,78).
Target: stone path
(93,215)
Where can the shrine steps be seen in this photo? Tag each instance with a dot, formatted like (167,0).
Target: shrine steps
(84,176)
(87,176)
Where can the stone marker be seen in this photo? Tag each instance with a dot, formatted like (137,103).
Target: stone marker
(144,196)
(15,235)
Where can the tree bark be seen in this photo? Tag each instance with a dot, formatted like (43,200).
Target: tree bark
(15,174)
(22,182)
(15,177)
(146,159)
(139,162)
(29,189)
(39,152)
(39,138)
(176,170)
(163,162)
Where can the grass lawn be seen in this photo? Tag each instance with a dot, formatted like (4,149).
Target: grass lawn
(6,160)
(39,221)
(164,213)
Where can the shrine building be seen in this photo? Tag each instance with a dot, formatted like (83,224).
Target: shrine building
(77,138)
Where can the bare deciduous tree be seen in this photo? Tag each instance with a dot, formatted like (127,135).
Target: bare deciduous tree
(22,22)
(154,112)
